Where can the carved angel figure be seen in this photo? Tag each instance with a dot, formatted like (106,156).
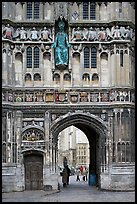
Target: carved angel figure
(33,34)
(77,34)
(128,33)
(92,35)
(109,34)
(116,32)
(20,34)
(102,35)
(8,32)
(23,34)
(85,34)
(46,34)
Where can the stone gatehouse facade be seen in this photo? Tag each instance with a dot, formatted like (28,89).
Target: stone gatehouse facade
(94,92)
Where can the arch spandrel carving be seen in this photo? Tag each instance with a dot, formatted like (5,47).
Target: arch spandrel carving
(69,119)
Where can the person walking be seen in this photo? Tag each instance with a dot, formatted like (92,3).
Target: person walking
(69,173)
(78,174)
(65,176)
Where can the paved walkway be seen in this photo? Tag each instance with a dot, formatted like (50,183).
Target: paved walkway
(76,191)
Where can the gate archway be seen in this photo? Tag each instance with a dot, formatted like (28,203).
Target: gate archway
(96,131)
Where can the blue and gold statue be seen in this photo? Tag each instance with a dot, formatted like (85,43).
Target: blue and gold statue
(61,46)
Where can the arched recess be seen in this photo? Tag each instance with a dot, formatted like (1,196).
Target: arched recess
(33,151)
(104,69)
(18,68)
(96,131)
(33,163)
(47,74)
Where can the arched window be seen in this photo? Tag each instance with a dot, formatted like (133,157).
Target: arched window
(86,57)
(85,11)
(36,57)
(29,10)
(114,152)
(92,11)
(36,10)
(93,57)
(27,77)
(123,152)
(95,77)
(37,77)
(32,135)
(121,58)
(33,56)
(29,57)
(56,77)
(90,57)
(67,77)
(14,152)
(89,10)
(86,77)
(119,151)
(32,10)
(120,9)
(128,152)
(4,153)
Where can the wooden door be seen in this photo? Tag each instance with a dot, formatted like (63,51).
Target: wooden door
(33,172)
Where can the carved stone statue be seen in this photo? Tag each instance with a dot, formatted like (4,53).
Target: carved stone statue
(33,34)
(61,46)
(23,34)
(92,35)
(77,34)
(46,34)
(8,32)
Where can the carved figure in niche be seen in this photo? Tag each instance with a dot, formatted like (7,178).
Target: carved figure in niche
(109,34)
(46,34)
(85,34)
(20,34)
(116,32)
(92,35)
(61,46)
(77,34)
(33,34)
(16,34)
(8,32)
(102,35)
(23,34)
(128,33)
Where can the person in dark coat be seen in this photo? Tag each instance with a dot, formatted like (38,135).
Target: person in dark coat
(65,177)
(69,173)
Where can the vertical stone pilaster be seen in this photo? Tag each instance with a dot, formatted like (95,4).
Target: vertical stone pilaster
(18,134)
(81,11)
(47,137)
(46,125)
(109,139)
(97,11)
(4,69)
(41,10)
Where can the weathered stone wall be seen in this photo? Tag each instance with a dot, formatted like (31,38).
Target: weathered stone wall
(120,178)
(12,178)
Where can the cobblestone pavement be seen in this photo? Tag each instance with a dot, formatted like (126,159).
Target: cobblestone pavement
(76,191)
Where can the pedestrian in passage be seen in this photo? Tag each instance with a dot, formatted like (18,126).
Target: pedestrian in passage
(78,174)
(69,173)
(65,176)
